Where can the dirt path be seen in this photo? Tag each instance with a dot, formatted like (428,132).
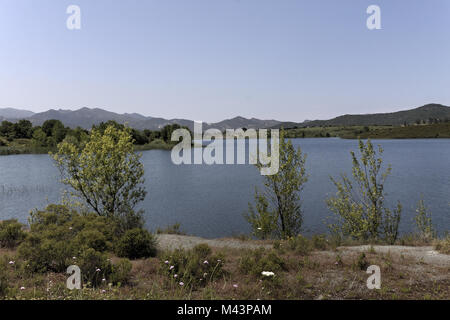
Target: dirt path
(420,254)
(172,241)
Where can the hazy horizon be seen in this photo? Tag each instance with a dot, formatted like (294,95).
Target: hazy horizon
(215,60)
(231,117)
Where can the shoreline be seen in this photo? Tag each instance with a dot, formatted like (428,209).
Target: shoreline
(7,151)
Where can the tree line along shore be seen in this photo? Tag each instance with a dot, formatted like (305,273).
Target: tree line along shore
(24,138)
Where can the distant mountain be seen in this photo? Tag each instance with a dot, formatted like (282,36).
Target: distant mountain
(240,122)
(86,117)
(424,113)
(10,113)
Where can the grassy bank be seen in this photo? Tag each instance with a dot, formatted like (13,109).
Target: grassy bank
(423,131)
(22,146)
(428,131)
(25,146)
(303,269)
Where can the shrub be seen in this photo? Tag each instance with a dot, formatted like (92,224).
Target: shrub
(11,233)
(91,239)
(58,233)
(105,173)
(194,267)
(443,245)
(120,273)
(256,261)
(3,281)
(319,242)
(202,250)
(361,262)
(172,229)
(94,266)
(300,245)
(136,243)
(359,204)
(278,207)
(424,222)
(43,253)
(3,142)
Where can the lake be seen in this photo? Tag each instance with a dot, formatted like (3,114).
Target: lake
(209,201)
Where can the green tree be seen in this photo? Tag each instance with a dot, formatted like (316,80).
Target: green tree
(23,129)
(424,222)
(359,204)
(39,137)
(277,209)
(106,174)
(7,130)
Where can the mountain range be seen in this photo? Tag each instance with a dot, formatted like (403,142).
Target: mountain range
(411,116)
(86,117)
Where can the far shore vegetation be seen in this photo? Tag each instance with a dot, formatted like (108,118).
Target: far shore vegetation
(24,138)
(420,130)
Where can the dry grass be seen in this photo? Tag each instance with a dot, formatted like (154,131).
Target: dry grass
(313,274)
(443,245)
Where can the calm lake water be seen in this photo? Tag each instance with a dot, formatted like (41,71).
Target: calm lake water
(209,201)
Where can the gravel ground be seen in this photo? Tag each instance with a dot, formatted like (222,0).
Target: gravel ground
(421,254)
(173,241)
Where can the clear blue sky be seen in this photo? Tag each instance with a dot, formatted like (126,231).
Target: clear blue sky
(215,59)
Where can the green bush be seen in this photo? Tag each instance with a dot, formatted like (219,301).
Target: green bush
(300,245)
(443,245)
(193,268)
(319,242)
(3,142)
(11,233)
(57,234)
(172,229)
(3,281)
(256,261)
(92,239)
(95,266)
(120,272)
(361,262)
(43,253)
(136,243)
(202,250)
(424,222)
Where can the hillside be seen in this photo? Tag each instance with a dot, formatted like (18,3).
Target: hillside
(11,113)
(86,117)
(422,114)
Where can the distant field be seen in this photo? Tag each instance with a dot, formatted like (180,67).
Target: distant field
(25,146)
(440,130)
(22,146)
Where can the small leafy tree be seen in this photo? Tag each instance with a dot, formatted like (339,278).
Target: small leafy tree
(106,173)
(277,209)
(359,204)
(262,219)
(424,222)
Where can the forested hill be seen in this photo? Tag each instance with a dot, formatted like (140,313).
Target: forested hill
(429,113)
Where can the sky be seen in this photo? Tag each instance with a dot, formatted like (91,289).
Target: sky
(211,60)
